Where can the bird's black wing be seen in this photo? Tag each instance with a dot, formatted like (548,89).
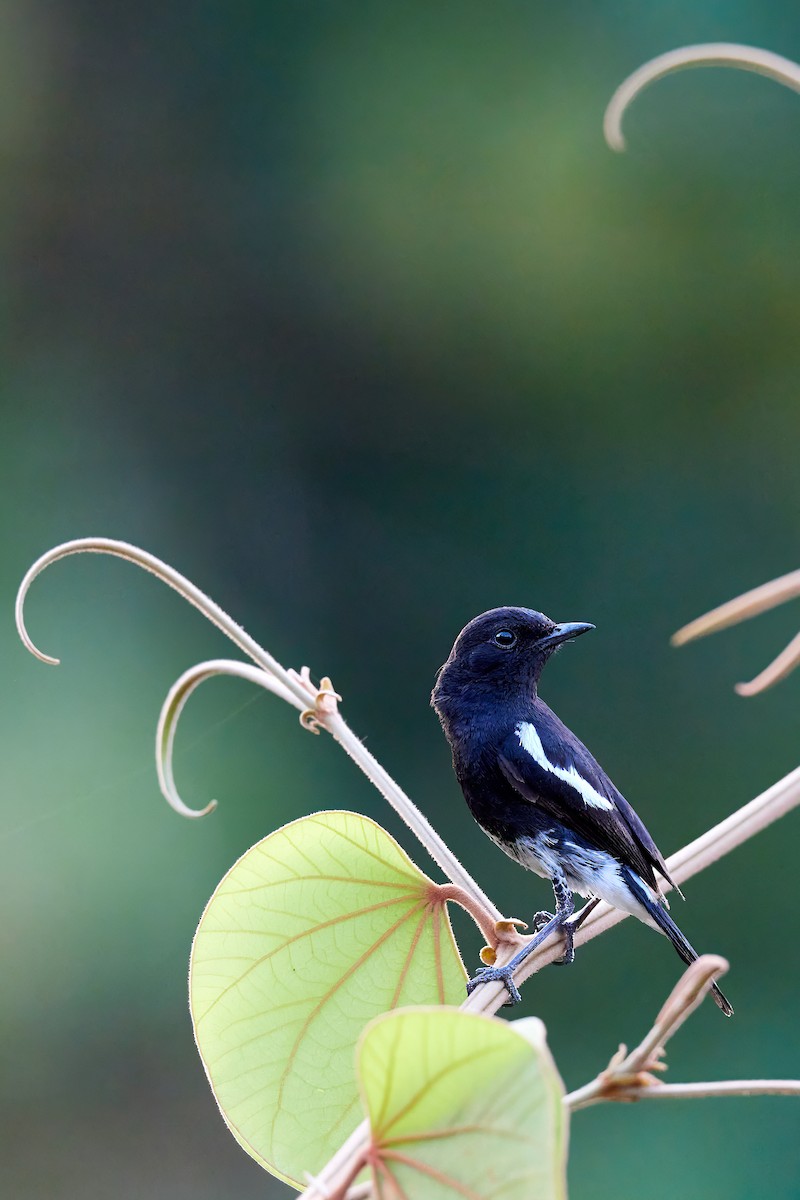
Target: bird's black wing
(548,766)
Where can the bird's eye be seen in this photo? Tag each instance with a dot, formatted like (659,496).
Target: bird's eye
(505,638)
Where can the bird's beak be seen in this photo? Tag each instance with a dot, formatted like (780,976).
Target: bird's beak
(565,631)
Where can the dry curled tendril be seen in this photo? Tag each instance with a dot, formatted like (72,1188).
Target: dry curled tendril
(709,54)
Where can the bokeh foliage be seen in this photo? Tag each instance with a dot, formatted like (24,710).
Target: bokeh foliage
(350,314)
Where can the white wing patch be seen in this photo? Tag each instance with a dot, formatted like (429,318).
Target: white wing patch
(529,740)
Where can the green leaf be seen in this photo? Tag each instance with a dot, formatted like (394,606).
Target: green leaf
(462,1105)
(316,930)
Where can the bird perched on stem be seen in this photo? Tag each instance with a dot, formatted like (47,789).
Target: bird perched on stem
(535,789)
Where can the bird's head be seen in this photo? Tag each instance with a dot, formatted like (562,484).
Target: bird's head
(502,651)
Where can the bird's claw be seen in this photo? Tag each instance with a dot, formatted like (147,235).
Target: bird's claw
(501,974)
(540,919)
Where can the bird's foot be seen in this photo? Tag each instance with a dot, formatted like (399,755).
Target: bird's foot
(540,919)
(489,975)
(504,974)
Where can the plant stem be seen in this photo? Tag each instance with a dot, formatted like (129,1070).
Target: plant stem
(342,1169)
(419,825)
(692,1091)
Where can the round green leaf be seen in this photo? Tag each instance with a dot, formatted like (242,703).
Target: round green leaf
(462,1105)
(316,930)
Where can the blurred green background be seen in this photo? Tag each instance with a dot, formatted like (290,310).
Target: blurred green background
(348,312)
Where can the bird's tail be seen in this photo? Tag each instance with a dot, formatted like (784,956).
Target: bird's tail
(666,924)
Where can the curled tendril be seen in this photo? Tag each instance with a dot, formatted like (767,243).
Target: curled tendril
(710,54)
(319,702)
(750,604)
(174,704)
(168,575)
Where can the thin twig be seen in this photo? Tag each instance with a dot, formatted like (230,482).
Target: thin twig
(634,1069)
(174,704)
(710,54)
(725,1087)
(338,1172)
(361,1191)
(629,1076)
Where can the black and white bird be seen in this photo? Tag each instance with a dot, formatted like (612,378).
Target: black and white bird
(535,789)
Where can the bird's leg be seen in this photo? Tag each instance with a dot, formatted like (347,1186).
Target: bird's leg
(540,919)
(565,907)
(560,920)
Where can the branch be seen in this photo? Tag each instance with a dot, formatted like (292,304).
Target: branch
(710,54)
(742,608)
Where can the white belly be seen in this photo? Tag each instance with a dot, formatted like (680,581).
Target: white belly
(588,872)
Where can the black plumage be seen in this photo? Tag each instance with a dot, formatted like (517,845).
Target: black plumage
(533,786)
